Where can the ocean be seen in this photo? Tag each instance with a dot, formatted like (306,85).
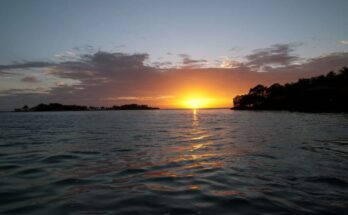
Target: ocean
(173,162)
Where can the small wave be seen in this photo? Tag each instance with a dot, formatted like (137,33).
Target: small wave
(31,173)
(340,142)
(132,171)
(86,152)
(263,156)
(9,167)
(122,150)
(71,181)
(59,158)
(328,180)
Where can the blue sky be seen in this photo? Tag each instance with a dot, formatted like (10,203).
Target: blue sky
(115,52)
(37,30)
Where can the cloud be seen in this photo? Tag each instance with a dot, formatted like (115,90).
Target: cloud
(67,55)
(229,63)
(23,91)
(3,73)
(108,78)
(137,98)
(26,65)
(30,79)
(188,62)
(345,42)
(315,66)
(162,65)
(100,67)
(235,49)
(276,55)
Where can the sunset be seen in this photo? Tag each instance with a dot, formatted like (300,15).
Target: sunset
(162,54)
(195,103)
(173,107)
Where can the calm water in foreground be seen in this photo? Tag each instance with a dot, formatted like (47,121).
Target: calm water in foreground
(173,162)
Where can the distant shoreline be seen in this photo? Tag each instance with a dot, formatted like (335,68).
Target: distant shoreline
(57,107)
(185,109)
(161,109)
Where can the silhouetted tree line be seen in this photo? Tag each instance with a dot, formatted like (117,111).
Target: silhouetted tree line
(325,93)
(61,107)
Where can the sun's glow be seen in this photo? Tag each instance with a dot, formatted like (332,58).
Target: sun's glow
(196,103)
(196,97)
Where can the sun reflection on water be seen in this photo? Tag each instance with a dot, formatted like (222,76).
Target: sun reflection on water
(195,122)
(194,152)
(198,151)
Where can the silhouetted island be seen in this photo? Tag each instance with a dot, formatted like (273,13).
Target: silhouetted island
(318,94)
(61,107)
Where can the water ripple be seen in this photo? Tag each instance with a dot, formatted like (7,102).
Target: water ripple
(173,162)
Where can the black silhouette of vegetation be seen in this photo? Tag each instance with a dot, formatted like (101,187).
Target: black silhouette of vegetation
(61,107)
(318,94)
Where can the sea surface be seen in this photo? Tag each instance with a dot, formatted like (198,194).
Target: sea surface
(173,162)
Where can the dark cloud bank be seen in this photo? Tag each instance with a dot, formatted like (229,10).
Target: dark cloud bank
(116,78)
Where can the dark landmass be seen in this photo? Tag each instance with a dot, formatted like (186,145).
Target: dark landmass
(325,93)
(61,107)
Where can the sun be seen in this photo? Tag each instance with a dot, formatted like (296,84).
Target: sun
(197,98)
(196,103)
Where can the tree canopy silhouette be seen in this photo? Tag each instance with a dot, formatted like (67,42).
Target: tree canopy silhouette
(318,94)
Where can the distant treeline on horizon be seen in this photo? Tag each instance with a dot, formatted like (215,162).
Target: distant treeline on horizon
(325,93)
(61,107)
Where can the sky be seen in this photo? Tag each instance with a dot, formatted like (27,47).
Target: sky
(163,53)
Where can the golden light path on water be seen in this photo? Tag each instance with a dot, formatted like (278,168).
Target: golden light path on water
(191,155)
(195,153)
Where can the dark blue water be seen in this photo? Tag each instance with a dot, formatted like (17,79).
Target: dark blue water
(173,162)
